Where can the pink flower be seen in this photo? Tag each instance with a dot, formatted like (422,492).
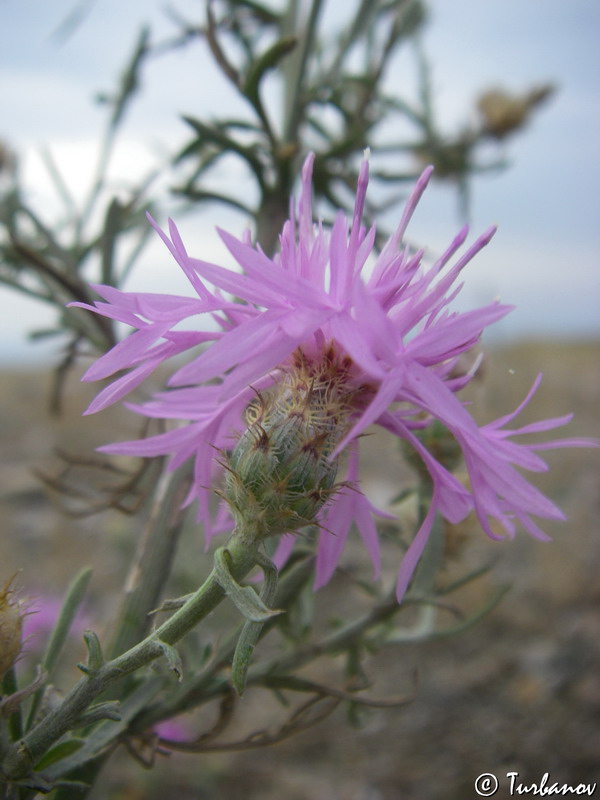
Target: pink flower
(175,730)
(42,613)
(392,324)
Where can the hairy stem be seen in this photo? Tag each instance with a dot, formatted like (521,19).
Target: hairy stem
(22,757)
(194,692)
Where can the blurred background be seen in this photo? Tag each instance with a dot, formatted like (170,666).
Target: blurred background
(57,58)
(521,690)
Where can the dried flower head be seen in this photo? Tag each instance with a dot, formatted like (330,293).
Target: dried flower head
(331,349)
(11,625)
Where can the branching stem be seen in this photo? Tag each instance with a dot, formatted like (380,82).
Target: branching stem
(22,757)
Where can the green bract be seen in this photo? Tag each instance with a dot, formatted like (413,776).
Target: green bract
(281,473)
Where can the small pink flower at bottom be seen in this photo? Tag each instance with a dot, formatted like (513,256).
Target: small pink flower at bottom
(43,612)
(385,337)
(173,729)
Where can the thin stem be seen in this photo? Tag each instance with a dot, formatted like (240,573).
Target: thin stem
(9,686)
(336,642)
(152,565)
(193,693)
(362,22)
(129,85)
(209,686)
(74,287)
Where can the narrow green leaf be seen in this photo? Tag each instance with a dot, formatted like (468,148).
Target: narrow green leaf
(112,227)
(109,731)
(268,61)
(9,686)
(44,333)
(130,260)
(60,632)
(244,597)
(94,648)
(216,135)
(173,658)
(264,14)
(73,599)
(111,710)
(404,494)
(485,609)
(460,582)
(431,561)
(172,604)
(130,78)
(411,636)
(251,631)
(200,196)
(60,184)
(59,752)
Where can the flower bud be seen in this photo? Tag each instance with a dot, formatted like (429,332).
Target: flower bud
(11,621)
(504,113)
(280,473)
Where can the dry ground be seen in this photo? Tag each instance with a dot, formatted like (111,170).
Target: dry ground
(519,692)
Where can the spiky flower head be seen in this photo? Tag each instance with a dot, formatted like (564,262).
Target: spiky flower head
(282,470)
(11,625)
(288,328)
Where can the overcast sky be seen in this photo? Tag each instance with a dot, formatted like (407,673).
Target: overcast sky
(546,256)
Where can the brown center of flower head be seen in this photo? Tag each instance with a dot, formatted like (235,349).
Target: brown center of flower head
(281,472)
(11,622)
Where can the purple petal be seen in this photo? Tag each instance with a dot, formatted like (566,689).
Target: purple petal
(415,551)
(125,352)
(122,386)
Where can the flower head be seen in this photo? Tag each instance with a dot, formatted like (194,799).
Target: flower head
(11,627)
(378,346)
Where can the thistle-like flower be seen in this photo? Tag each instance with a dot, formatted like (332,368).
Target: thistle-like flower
(11,627)
(311,349)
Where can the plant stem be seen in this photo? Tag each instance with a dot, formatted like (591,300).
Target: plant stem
(153,561)
(24,754)
(194,692)
(296,74)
